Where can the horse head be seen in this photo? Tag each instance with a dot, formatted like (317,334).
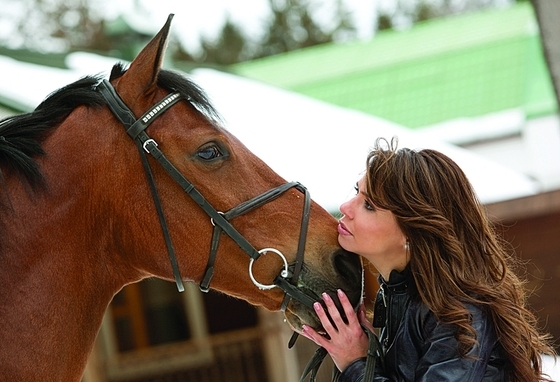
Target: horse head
(261,231)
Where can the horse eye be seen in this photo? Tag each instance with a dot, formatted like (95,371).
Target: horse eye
(209,153)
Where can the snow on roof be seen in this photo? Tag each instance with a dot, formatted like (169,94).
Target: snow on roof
(28,84)
(320,145)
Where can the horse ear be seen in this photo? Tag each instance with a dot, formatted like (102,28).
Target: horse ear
(142,73)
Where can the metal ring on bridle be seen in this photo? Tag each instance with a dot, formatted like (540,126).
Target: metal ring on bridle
(284,272)
(212,219)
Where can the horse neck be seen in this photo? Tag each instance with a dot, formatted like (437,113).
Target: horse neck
(54,291)
(51,311)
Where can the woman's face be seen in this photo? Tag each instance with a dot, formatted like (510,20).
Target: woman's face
(373,233)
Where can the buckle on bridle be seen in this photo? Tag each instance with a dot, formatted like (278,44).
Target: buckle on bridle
(145,144)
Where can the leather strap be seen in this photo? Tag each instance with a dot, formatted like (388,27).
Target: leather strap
(135,129)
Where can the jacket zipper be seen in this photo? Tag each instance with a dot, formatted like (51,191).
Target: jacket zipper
(387,315)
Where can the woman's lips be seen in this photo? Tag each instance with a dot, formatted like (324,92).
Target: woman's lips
(342,230)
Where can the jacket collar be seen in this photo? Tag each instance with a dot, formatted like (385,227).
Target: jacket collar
(399,282)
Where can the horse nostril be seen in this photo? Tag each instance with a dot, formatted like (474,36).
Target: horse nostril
(349,266)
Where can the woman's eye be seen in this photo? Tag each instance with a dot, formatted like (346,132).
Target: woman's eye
(209,153)
(368,206)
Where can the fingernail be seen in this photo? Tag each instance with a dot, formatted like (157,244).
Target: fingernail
(340,292)
(326,296)
(304,328)
(317,306)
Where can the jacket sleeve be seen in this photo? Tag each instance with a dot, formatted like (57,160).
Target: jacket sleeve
(440,359)
(355,372)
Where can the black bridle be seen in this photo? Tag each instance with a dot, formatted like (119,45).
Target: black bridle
(136,129)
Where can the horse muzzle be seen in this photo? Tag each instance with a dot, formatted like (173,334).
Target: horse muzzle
(301,294)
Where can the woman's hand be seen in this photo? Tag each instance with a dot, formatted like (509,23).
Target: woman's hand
(345,342)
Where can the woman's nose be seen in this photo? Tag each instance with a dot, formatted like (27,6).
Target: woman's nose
(345,207)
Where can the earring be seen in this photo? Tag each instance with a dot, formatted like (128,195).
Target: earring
(406,246)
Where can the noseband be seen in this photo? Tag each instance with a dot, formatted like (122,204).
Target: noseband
(136,129)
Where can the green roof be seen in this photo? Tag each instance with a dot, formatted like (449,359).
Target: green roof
(441,69)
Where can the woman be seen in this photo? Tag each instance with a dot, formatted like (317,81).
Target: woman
(450,307)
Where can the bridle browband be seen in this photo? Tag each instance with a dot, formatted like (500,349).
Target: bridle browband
(136,129)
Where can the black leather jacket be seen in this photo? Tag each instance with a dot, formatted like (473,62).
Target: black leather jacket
(418,347)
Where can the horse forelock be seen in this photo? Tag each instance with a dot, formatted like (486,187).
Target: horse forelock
(177,82)
(174,81)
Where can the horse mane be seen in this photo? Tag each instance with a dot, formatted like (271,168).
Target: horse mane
(21,136)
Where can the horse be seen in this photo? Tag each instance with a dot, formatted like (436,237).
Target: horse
(110,181)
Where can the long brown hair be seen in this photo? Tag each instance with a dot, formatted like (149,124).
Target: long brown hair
(456,257)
